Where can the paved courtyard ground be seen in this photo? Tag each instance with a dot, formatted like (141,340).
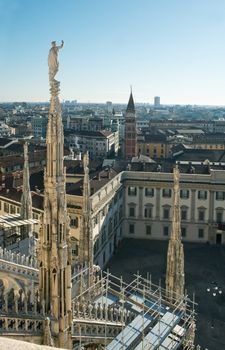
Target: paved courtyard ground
(204,268)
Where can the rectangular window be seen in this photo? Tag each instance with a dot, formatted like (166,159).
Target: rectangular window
(74,222)
(183,214)
(131,228)
(149,192)
(184,193)
(219,217)
(6,207)
(201,215)
(183,231)
(131,211)
(132,191)
(166,213)
(202,194)
(148,212)
(12,209)
(220,195)
(148,230)
(166,231)
(200,233)
(166,192)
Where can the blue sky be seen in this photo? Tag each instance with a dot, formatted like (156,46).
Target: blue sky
(171,48)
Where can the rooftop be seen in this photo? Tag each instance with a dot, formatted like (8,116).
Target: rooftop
(9,344)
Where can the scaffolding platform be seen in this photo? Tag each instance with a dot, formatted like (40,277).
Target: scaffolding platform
(136,316)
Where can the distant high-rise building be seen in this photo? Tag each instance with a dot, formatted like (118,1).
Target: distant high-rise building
(39,126)
(109,106)
(156,101)
(130,150)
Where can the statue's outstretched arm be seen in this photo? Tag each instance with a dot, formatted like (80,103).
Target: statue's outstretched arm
(60,46)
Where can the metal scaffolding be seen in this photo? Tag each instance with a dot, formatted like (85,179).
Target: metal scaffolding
(136,315)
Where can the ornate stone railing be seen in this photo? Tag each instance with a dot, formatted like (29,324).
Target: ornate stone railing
(12,267)
(95,329)
(100,312)
(18,258)
(21,325)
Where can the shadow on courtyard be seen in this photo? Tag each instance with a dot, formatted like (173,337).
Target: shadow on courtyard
(204,269)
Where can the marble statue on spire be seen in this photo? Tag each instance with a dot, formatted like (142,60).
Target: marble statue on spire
(53,63)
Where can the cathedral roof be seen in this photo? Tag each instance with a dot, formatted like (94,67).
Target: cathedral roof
(130,106)
(7,344)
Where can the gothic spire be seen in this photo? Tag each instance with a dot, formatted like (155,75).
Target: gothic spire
(175,253)
(54,243)
(26,200)
(86,248)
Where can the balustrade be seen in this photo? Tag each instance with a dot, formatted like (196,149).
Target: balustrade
(17,258)
(10,324)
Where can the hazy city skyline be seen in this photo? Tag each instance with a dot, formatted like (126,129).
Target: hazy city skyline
(169,49)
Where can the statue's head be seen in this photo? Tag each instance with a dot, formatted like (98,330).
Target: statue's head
(53,43)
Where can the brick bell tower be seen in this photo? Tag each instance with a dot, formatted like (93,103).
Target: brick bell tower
(130,147)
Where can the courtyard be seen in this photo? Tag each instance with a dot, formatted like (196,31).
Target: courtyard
(204,277)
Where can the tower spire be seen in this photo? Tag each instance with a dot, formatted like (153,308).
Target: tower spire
(86,245)
(86,251)
(175,253)
(130,105)
(54,243)
(26,201)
